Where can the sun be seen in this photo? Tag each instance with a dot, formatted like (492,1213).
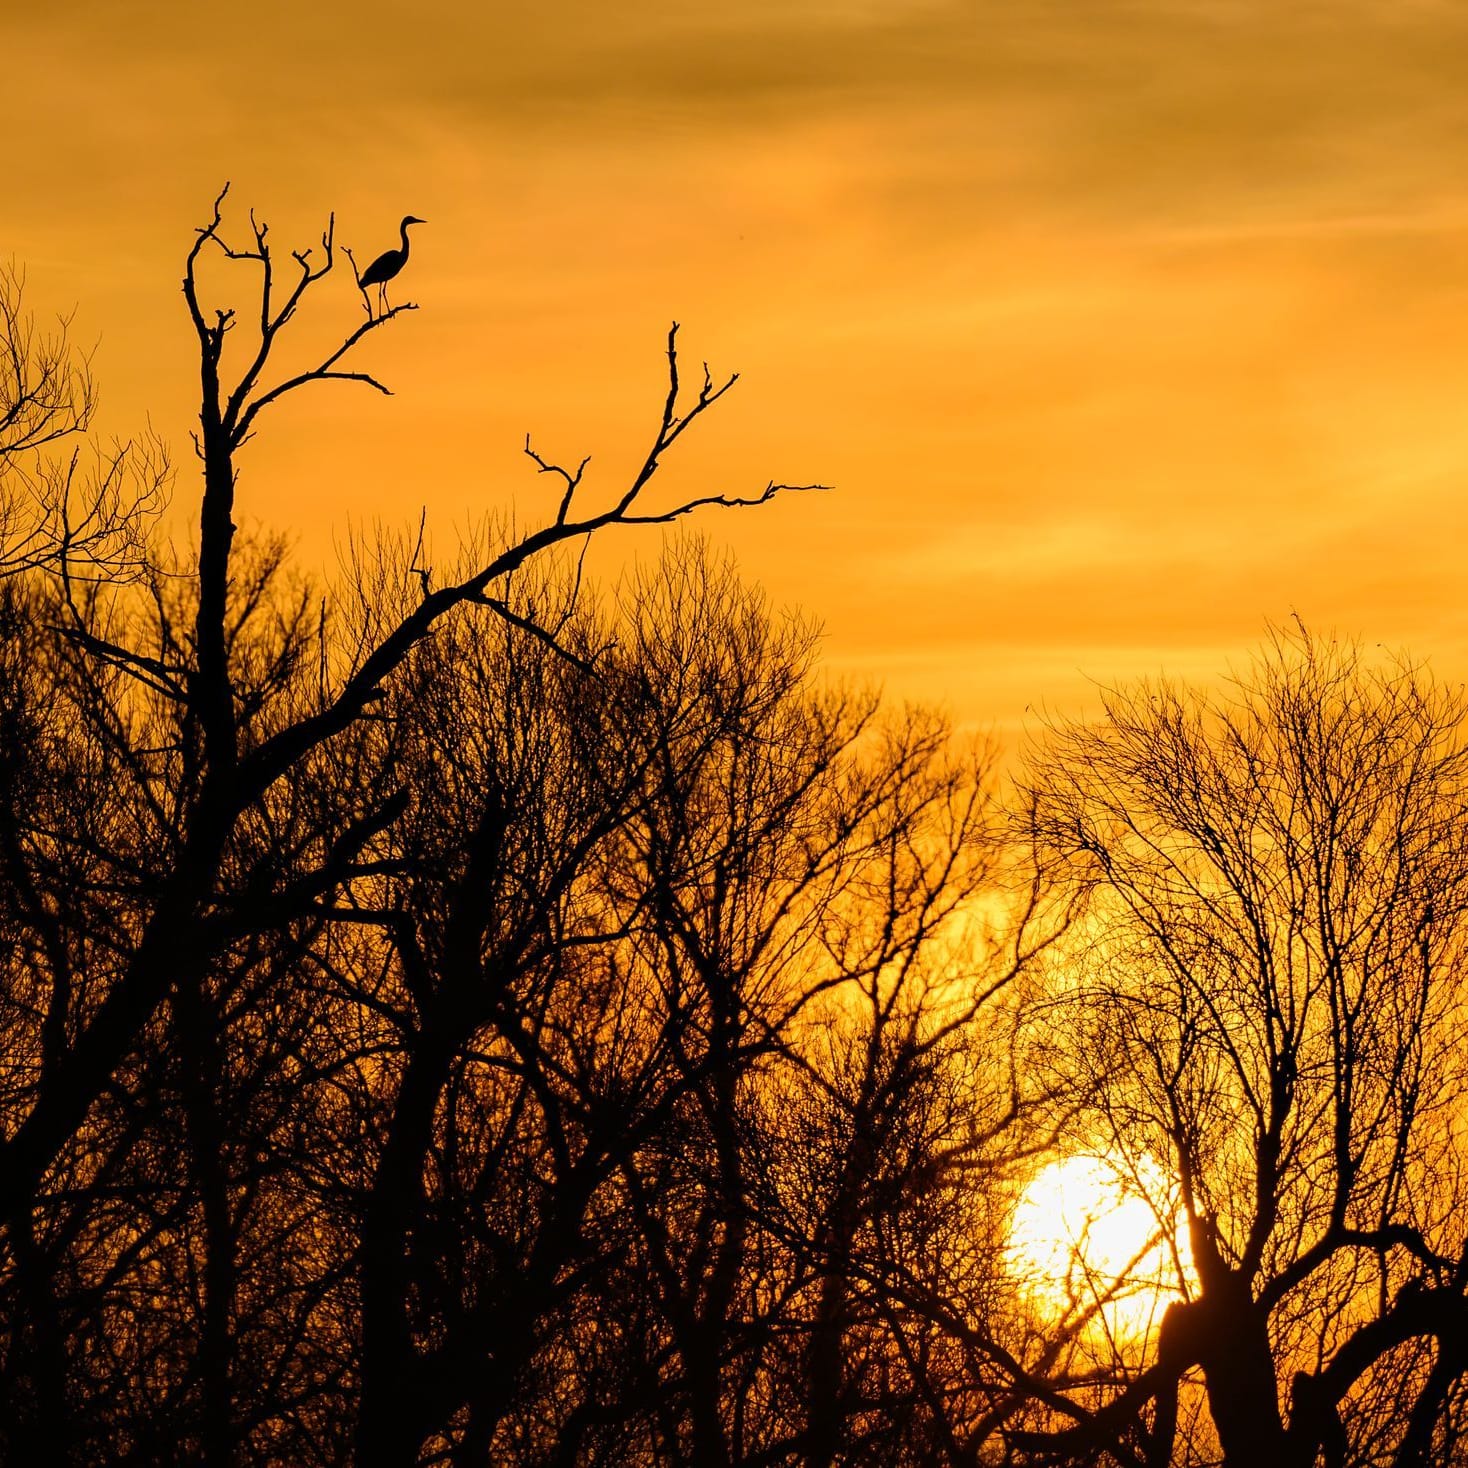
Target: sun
(1091,1236)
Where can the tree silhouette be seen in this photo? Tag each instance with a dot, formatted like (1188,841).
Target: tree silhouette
(158,933)
(66,503)
(1264,1000)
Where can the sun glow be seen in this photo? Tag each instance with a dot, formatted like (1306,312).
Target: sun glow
(1090,1237)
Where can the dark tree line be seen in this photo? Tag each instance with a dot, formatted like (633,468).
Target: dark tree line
(464,1017)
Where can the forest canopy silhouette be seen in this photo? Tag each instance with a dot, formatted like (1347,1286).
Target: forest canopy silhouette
(459,1014)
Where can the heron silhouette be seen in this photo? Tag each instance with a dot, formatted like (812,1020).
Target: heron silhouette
(388,264)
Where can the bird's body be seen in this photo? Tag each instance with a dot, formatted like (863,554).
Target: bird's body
(389,263)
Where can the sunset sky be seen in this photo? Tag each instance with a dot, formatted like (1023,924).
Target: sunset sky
(1120,329)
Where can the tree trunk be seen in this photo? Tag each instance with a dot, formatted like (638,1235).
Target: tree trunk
(1239,1376)
(391,1423)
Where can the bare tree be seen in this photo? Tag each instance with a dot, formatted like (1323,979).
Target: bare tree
(67,503)
(806,873)
(1263,1000)
(160,931)
(232,779)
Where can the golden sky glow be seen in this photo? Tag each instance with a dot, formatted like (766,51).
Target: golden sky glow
(1119,328)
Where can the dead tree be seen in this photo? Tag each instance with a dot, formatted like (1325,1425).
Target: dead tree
(1264,1001)
(67,500)
(237,733)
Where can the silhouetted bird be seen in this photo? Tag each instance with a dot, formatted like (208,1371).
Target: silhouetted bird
(387,264)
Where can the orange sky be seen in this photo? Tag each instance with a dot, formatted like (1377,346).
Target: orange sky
(1119,328)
